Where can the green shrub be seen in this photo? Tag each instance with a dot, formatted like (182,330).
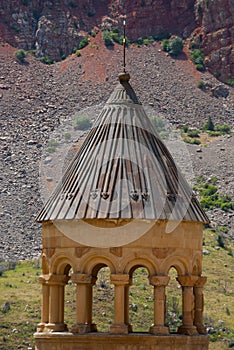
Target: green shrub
(230,82)
(21,55)
(139,41)
(198,58)
(196,55)
(209,125)
(213,180)
(116,38)
(214,133)
(193,133)
(223,229)
(200,67)
(225,128)
(208,190)
(215,130)
(84,42)
(45,59)
(201,84)
(107,37)
(82,122)
(176,46)
(185,128)
(192,141)
(148,40)
(210,198)
(165,45)
(78,54)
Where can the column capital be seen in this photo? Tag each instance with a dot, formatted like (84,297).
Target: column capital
(201,281)
(83,278)
(120,279)
(187,281)
(52,279)
(43,279)
(159,281)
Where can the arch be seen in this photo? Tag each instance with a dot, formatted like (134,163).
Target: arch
(173,301)
(140,286)
(103,299)
(133,264)
(94,263)
(61,264)
(179,263)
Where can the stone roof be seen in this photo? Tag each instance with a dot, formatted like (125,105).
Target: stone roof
(123,171)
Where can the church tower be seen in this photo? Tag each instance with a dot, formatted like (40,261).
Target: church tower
(121,203)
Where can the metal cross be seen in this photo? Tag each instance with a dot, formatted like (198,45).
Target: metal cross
(124,46)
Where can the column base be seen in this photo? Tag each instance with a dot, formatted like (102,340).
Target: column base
(84,328)
(121,328)
(41,327)
(55,327)
(187,330)
(201,329)
(159,330)
(130,330)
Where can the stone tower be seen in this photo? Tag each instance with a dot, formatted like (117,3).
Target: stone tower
(122,203)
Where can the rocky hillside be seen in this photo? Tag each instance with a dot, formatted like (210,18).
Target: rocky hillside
(54,28)
(37,107)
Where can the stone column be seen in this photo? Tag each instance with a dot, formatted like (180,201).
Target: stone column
(187,283)
(84,296)
(199,304)
(120,281)
(159,283)
(45,303)
(56,285)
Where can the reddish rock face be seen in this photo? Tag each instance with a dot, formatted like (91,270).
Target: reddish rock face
(55,27)
(217,35)
(146,17)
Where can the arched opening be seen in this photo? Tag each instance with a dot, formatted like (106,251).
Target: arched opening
(69,299)
(173,302)
(141,300)
(103,298)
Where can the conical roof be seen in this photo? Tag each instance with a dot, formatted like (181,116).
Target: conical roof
(123,171)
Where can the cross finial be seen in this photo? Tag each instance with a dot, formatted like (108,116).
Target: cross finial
(124,45)
(124,77)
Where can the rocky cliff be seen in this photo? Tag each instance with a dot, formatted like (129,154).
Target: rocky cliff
(216,35)
(54,28)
